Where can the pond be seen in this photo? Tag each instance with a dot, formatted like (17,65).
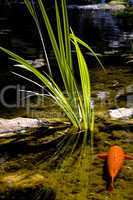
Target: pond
(33,161)
(52,161)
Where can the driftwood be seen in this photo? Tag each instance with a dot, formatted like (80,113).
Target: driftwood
(32,135)
(10,127)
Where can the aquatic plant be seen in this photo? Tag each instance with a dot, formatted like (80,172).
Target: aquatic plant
(76,104)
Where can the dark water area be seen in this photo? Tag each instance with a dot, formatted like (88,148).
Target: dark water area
(96,24)
(99,27)
(18,34)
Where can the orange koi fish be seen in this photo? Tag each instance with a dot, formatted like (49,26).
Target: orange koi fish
(115,159)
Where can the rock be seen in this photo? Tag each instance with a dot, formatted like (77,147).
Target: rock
(37,63)
(117,5)
(111,7)
(121,113)
(103,95)
(120,2)
(8,125)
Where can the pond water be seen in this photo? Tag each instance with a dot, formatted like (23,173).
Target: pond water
(101,27)
(41,158)
(39,163)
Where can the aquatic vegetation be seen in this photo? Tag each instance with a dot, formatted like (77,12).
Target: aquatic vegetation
(76,105)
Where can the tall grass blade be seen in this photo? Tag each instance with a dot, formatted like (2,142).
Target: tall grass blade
(67,69)
(61,48)
(34,15)
(89,48)
(66,33)
(85,81)
(54,43)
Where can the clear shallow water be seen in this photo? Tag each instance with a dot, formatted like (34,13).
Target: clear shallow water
(32,161)
(38,159)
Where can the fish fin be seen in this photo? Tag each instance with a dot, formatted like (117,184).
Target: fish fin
(128,157)
(102,155)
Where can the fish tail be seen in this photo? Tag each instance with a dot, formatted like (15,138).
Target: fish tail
(111,187)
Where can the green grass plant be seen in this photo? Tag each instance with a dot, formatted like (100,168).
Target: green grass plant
(76,104)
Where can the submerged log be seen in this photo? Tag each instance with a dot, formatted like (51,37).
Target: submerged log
(10,127)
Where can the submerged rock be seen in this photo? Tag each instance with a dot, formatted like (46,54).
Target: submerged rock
(11,125)
(121,113)
(105,6)
(37,63)
(118,2)
(103,95)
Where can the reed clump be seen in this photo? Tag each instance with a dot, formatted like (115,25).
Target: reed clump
(76,103)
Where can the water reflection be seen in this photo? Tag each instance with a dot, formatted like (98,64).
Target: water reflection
(94,23)
(130,2)
(103,1)
(99,26)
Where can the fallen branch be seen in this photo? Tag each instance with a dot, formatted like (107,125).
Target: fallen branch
(10,127)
